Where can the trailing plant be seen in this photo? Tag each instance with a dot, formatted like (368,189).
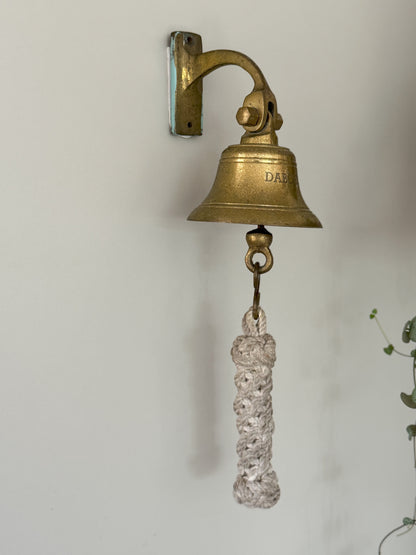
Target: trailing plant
(408,334)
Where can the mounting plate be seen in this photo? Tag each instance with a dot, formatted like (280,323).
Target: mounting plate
(185,99)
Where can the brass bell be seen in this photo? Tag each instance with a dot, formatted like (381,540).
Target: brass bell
(257,180)
(256,184)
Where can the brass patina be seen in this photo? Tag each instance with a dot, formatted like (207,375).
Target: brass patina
(259,241)
(257,180)
(256,295)
(256,184)
(189,65)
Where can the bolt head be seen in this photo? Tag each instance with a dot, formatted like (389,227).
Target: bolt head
(247,115)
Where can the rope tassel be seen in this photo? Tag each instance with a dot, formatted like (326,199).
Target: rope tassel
(254,355)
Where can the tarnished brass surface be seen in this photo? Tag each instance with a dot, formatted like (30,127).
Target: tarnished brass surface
(256,295)
(186,92)
(257,181)
(259,241)
(256,184)
(190,65)
(247,116)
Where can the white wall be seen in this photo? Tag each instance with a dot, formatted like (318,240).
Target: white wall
(117,315)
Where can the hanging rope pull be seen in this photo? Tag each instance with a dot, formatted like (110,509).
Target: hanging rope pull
(254,354)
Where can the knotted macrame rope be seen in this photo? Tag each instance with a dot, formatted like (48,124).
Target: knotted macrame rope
(254,354)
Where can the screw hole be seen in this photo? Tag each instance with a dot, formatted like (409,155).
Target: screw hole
(189,124)
(188,40)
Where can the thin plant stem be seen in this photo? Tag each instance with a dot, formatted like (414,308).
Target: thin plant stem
(414,370)
(414,451)
(409,528)
(388,535)
(388,340)
(414,508)
(381,329)
(408,523)
(400,353)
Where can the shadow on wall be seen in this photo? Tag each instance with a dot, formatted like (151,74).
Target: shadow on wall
(200,342)
(205,456)
(195,164)
(195,177)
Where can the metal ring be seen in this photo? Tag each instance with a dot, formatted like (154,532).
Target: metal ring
(259,250)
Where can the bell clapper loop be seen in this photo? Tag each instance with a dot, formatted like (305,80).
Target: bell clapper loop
(259,241)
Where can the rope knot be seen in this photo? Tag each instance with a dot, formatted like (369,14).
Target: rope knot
(248,350)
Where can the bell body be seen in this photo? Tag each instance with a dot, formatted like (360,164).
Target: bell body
(256,184)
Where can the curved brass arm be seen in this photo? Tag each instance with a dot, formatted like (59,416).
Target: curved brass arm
(188,67)
(262,102)
(210,61)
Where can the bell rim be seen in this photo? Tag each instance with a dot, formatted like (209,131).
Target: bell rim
(255,215)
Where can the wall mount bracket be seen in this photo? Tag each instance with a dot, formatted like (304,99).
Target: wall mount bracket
(188,64)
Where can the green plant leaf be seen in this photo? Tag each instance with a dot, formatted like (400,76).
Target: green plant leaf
(372,316)
(413,353)
(408,401)
(388,350)
(411,430)
(408,521)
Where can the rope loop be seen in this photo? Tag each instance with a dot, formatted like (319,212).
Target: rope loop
(252,326)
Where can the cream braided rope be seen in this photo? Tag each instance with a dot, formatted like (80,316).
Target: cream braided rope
(254,354)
